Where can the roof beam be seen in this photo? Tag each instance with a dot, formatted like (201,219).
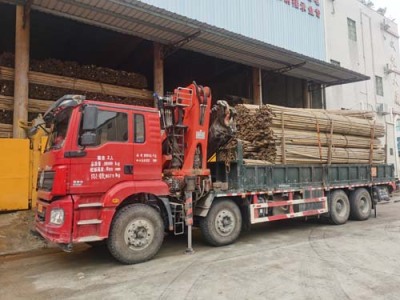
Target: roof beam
(172,48)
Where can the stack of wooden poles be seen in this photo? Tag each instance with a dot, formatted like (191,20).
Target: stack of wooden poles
(279,135)
(51,79)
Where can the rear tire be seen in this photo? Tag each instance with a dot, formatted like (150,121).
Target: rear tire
(136,234)
(223,223)
(360,204)
(339,207)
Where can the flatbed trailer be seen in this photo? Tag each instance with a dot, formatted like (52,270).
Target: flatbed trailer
(276,192)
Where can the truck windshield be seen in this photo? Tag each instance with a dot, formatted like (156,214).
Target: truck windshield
(59,129)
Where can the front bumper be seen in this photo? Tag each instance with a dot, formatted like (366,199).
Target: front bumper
(60,234)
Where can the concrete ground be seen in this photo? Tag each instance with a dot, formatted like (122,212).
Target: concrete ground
(289,260)
(16,235)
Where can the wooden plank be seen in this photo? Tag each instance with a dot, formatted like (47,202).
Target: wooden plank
(78,84)
(34,105)
(6,130)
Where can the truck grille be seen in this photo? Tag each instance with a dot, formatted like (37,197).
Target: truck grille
(45,180)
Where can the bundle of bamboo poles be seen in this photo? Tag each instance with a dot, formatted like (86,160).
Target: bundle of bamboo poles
(57,81)
(51,79)
(51,87)
(296,154)
(280,135)
(321,121)
(74,70)
(309,138)
(5,130)
(363,114)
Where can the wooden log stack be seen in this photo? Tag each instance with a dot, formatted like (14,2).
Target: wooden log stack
(51,79)
(75,70)
(280,135)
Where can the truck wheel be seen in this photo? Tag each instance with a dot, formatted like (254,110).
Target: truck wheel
(136,234)
(223,223)
(339,207)
(360,205)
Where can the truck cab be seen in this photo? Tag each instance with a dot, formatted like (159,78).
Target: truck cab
(97,155)
(123,173)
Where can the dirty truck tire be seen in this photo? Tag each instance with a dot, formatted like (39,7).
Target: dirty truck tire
(136,234)
(360,205)
(339,206)
(223,224)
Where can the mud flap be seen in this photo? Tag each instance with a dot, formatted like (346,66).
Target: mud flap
(203,205)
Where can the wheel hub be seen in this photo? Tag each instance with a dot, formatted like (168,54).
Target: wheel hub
(139,234)
(340,207)
(225,222)
(363,205)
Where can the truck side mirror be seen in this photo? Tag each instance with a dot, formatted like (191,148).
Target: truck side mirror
(89,118)
(89,126)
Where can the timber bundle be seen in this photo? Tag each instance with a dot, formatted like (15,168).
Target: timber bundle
(51,79)
(273,134)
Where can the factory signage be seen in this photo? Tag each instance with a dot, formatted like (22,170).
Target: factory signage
(311,7)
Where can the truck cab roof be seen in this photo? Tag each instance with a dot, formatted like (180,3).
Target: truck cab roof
(119,106)
(77,100)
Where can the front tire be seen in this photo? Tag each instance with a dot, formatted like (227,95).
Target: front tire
(360,205)
(339,206)
(136,234)
(223,223)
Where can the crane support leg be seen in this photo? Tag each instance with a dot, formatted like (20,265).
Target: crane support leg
(189,220)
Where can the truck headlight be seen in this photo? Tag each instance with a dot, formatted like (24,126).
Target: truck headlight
(57,216)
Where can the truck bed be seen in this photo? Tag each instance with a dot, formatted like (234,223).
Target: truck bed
(241,178)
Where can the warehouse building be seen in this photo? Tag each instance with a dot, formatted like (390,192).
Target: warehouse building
(125,50)
(267,51)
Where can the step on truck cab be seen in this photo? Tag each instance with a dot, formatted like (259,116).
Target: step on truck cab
(127,175)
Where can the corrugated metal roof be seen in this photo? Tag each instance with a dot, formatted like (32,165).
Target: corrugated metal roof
(271,21)
(137,18)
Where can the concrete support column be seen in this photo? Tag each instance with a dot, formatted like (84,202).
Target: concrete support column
(158,69)
(257,86)
(21,83)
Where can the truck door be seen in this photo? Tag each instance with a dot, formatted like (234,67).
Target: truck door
(147,146)
(110,160)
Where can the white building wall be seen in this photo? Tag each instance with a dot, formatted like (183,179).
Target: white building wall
(374,53)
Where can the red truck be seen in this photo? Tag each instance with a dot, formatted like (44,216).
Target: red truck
(128,175)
